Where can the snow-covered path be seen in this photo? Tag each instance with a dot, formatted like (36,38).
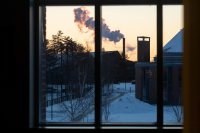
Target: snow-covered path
(129,109)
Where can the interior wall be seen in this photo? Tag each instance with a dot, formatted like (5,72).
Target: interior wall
(191,66)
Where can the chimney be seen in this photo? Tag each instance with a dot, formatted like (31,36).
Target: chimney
(123,52)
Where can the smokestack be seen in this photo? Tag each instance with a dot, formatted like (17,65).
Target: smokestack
(123,52)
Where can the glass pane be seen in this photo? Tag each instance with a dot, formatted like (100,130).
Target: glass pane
(172,64)
(128,79)
(68,93)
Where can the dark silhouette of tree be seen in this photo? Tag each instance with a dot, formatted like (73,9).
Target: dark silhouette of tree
(64,58)
(58,46)
(71,66)
(51,62)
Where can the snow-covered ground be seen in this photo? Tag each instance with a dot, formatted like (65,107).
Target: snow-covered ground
(124,108)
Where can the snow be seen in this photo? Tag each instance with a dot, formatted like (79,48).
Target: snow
(129,109)
(124,108)
(175,44)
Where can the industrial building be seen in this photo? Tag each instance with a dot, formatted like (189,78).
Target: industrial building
(145,71)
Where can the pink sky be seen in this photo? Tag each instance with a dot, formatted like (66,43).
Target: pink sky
(132,21)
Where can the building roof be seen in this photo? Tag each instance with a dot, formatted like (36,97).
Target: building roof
(106,53)
(175,44)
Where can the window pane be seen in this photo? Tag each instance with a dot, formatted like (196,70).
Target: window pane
(172,64)
(68,93)
(128,78)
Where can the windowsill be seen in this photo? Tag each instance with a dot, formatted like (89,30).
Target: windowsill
(111,127)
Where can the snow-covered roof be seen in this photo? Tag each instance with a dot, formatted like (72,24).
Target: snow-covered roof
(175,44)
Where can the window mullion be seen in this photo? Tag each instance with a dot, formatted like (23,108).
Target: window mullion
(159,66)
(97,66)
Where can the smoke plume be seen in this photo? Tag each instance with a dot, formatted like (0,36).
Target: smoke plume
(82,19)
(130,48)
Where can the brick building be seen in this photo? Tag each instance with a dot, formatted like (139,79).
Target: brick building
(172,72)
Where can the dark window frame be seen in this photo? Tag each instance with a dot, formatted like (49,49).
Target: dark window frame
(97,4)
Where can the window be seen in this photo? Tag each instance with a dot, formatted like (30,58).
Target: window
(132,45)
(70,64)
(172,63)
(80,80)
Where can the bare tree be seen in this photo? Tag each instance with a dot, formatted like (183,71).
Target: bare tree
(106,101)
(66,63)
(79,102)
(178,111)
(77,108)
(106,108)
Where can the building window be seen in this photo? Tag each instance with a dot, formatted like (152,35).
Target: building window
(96,72)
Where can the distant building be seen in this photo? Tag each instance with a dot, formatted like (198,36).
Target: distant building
(115,69)
(172,74)
(143,49)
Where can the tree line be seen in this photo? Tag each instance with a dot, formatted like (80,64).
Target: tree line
(69,64)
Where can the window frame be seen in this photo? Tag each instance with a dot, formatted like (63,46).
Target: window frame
(36,25)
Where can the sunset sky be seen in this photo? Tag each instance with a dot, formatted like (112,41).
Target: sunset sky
(132,21)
